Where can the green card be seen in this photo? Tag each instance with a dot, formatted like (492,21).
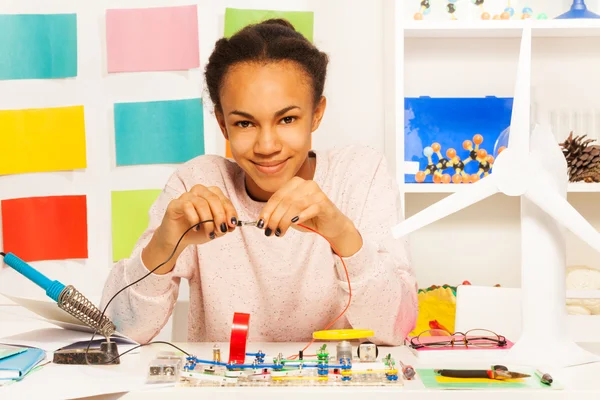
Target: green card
(236,19)
(430,381)
(130,218)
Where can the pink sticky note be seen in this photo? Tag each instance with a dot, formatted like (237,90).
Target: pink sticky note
(152,39)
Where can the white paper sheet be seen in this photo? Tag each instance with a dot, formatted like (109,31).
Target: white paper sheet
(71,381)
(52,339)
(50,312)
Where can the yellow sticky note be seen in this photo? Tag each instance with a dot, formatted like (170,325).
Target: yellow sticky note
(42,140)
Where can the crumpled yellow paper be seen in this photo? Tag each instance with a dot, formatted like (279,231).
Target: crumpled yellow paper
(437,304)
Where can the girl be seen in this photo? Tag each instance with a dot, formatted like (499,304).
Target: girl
(266,84)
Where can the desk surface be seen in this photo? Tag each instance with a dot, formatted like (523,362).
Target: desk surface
(126,381)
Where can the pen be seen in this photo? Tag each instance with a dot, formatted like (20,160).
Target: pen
(480,373)
(544,378)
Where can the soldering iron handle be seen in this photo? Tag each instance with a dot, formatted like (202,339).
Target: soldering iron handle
(52,288)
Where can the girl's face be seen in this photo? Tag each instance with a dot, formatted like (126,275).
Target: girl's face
(268,115)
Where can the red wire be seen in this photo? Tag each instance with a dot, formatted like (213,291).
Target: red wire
(349,289)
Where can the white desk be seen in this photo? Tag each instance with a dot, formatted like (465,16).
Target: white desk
(60,381)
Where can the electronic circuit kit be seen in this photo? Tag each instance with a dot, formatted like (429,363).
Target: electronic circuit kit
(334,362)
(330,365)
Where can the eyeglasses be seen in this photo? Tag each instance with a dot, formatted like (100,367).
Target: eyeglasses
(437,338)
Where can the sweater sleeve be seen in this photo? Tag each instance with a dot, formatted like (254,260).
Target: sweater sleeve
(142,310)
(384,288)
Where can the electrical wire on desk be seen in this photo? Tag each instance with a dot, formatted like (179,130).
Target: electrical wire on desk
(169,259)
(133,283)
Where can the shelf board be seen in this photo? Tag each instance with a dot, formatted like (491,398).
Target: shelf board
(451,188)
(432,187)
(500,29)
(584,188)
(583,294)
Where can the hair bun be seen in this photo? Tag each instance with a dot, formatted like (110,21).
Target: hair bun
(279,21)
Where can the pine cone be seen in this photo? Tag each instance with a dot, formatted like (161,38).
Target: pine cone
(583,159)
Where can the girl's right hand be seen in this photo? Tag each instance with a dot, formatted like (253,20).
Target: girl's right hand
(199,204)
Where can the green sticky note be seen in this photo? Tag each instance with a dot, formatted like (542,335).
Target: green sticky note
(38,46)
(236,19)
(430,381)
(130,218)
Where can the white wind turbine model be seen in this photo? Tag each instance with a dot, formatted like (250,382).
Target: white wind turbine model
(534,168)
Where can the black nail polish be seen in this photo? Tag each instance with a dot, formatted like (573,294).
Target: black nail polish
(211,235)
(233,220)
(277,232)
(261,224)
(268,232)
(295,219)
(223,227)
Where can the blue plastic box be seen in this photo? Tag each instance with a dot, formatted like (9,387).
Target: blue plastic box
(449,122)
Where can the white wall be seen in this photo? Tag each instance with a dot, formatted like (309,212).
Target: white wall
(349,32)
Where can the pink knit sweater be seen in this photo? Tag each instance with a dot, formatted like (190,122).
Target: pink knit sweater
(290,286)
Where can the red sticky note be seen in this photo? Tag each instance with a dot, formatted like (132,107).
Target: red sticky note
(152,39)
(45,228)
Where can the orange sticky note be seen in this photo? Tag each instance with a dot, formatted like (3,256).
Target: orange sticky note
(42,140)
(45,228)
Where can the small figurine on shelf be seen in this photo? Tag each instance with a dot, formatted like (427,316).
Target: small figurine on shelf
(451,7)
(425,9)
(484,14)
(526,13)
(436,170)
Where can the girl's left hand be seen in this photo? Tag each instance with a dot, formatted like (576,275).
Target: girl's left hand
(303,202)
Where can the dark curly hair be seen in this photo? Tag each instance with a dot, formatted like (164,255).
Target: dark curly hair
(270,40)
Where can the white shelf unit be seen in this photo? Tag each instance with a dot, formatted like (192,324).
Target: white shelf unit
(476,59)
(500,29)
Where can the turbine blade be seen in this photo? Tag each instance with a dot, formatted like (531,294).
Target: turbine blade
(520,126)
(563,212)
(451,204)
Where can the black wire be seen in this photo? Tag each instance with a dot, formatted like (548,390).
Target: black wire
(131,284)
(2,254)
(142,345)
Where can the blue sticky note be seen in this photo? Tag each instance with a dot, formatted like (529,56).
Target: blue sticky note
(38,46)
(159,132)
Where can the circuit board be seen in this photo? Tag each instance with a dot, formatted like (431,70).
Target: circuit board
(324,370)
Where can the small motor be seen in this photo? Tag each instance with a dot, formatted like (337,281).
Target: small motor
(343,350)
